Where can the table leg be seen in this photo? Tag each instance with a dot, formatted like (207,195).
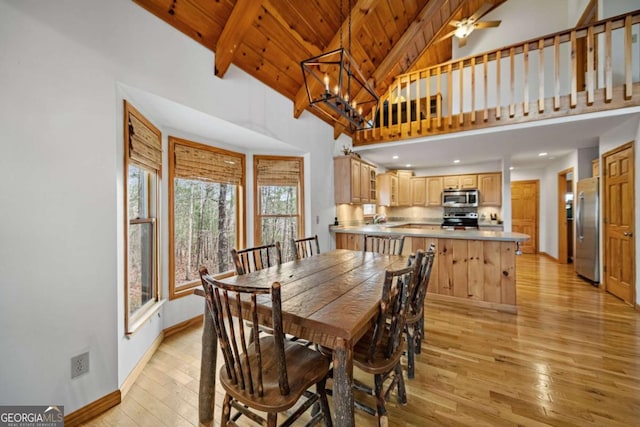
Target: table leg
(206,395)
(342,382)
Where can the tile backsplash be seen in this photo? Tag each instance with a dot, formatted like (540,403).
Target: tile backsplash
(353,214)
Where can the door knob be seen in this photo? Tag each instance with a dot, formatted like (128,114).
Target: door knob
(628,233)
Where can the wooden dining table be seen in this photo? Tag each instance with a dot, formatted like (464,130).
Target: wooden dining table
(329,299)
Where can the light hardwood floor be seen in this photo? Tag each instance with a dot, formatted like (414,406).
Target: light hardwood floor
(570,357)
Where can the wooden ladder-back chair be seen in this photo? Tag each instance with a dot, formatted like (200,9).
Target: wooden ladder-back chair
(379,351)
(388,245)
(415,308)
(256,258)
(269,374)
(306,247)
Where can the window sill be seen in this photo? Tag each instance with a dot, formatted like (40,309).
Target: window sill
(151,311)
(189,289)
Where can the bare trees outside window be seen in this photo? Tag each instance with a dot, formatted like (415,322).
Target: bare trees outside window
(279,201)
(205,202)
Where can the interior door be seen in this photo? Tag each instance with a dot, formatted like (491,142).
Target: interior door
(524,213)
(619,259)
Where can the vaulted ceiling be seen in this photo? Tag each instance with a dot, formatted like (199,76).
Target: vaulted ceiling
(268,39)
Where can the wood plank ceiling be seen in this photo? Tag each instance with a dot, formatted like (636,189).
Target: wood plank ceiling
(268,39)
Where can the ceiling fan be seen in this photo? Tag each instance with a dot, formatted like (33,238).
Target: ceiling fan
(465,26)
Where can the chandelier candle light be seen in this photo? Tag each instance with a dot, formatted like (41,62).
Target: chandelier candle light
(335,84)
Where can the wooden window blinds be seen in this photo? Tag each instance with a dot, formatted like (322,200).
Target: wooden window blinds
(282,171)
(205,163)
(144,141)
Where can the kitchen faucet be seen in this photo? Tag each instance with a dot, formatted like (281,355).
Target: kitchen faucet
(379,218)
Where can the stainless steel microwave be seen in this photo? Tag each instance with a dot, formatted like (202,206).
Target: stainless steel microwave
(457,198)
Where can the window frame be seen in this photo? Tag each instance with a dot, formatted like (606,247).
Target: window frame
(257,216)
(187,288)
(133,321)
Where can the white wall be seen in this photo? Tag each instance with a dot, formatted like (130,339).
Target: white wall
(61,221)
(549,17)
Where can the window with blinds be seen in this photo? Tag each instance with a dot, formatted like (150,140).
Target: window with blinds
(142,165)
(205,218)
(279,203)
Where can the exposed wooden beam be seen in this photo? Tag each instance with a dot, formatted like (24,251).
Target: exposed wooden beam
(358,14)
(429,13)
(242,17)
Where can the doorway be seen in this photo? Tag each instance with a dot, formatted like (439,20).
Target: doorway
(524,212)
(565,216)
(619,216)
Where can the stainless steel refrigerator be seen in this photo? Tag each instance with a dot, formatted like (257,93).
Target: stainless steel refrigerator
(587,256)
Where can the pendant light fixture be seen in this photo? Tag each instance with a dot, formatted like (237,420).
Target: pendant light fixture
(335,84)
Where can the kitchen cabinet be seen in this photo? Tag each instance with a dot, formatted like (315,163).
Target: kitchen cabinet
(490,188)
(352,180)
(373,192)
(365,185)
(434,190)
(595,167)
(460,181)
(387,189)
(418,191)
(404,187)
(350,241)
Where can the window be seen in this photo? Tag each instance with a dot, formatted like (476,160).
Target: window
(205,211)
(279,201)
(143,162)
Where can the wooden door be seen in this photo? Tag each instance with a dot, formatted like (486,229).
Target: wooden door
(619,214)
(524,212)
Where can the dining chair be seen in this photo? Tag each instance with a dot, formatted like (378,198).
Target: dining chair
(379,351)
(252,259)
(306,247)
(269,374)
(414,328)
(388,245)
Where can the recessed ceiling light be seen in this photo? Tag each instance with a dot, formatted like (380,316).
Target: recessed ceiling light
(511,168)
(394,157)
(542,154)
(456,161)
(408,165)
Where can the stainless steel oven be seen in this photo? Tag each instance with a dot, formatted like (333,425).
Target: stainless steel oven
(457,198)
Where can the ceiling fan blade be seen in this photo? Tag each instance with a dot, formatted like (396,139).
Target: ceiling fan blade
(480,12)
(455,23)
(462,42)
(486,24)
(446,36)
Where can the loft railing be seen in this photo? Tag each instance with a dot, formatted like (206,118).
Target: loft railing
(587,69)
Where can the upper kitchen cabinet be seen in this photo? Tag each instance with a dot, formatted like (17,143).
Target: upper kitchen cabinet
(434,190)
(460,181)
(388,189)
(490,188)
(404,187)
(352,180)
(419,191)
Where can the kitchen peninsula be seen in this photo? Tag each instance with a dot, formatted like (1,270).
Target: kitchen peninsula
(472,267)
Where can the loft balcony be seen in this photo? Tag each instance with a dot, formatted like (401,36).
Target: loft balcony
(588,69)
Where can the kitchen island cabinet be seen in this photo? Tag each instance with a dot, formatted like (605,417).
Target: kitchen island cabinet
(471,267)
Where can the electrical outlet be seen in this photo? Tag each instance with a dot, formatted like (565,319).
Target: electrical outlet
(79,365)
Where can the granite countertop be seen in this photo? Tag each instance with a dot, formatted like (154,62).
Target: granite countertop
(412,229)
